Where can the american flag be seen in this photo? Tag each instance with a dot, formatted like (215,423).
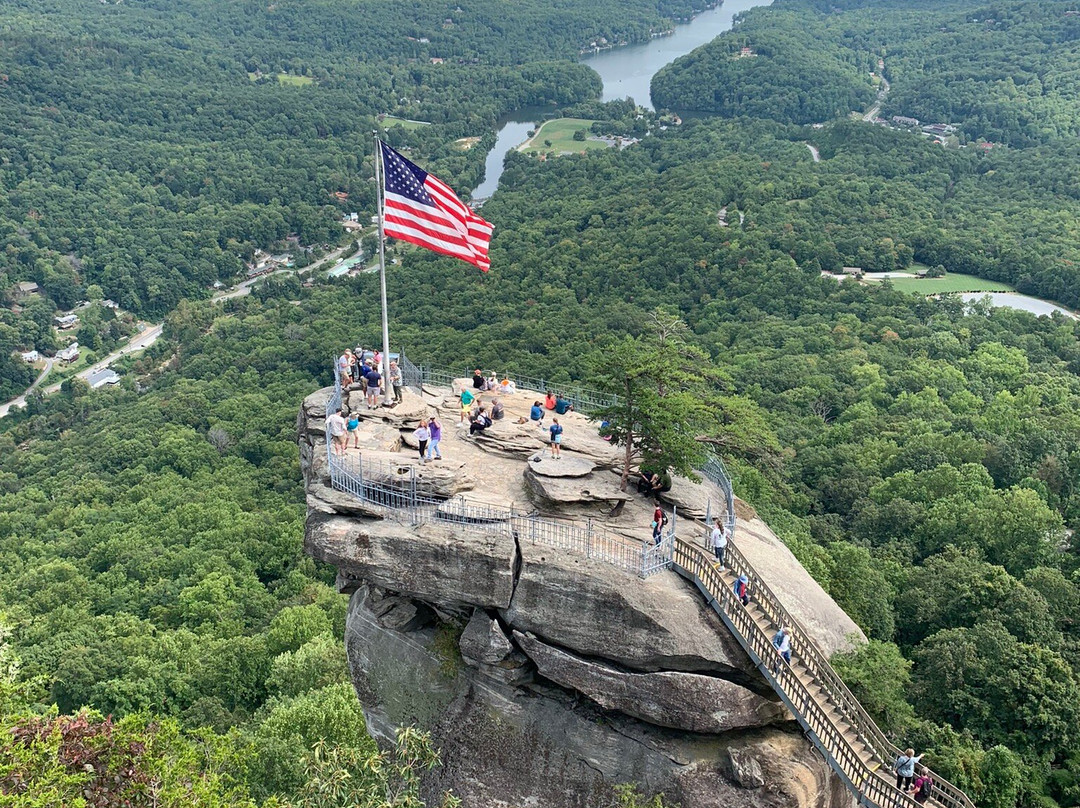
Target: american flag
(423,210)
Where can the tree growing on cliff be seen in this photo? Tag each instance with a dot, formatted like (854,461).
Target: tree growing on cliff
(662,407)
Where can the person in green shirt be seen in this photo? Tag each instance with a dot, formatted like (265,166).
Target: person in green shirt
(467,399)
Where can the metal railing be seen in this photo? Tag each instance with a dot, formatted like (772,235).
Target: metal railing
(832,717)
(403,495)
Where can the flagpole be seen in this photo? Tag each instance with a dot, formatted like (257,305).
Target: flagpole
(384,371)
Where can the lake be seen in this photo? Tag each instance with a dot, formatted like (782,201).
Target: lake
(625,72)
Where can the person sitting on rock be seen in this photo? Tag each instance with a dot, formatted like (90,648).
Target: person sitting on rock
(648,482)
(562,406)
(507,387)
(480,422)
(492,382)
(478,380)
(536,414)
(549,401)
(497,410)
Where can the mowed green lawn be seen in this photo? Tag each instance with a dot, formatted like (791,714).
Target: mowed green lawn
(952,282)
(561,134)
(288,79)
(390,120)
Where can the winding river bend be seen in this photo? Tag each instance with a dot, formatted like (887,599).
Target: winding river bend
(626,72)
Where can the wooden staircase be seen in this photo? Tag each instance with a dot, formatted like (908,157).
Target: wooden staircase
(833,720)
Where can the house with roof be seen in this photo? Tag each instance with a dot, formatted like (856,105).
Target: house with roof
(66,322)
(68,354)
(23,289)
(30,357)
(101,377)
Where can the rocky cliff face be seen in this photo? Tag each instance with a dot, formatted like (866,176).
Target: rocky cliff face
(545,677)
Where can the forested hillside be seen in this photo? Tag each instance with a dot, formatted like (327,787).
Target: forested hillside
(921,459)
(1005,72)
(147,147)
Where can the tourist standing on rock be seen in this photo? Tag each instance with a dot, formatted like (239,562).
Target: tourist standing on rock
(345,368)
(742,589)
(905,769)
(924,786)
(659,519)
(422,434)
(435,433)
(374,381)
(781,641)
(536,414)
(718,540)
(467,399)
(336,422)
(395,380)
(352,431)
(556,438)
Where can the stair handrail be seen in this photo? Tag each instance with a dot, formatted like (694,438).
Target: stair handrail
(817,665)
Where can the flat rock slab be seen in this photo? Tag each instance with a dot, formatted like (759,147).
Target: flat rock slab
(570,490)
(565,466)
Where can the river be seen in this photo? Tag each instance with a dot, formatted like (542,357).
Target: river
(625,72)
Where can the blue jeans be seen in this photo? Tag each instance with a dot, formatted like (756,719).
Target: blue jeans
(433,449)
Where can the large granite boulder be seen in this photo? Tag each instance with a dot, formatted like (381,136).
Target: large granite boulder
(675,699)
(594,609)
(558,491)
(436,562)
(507,745)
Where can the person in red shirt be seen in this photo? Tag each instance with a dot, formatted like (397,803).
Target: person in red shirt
(658,520)
(549,401)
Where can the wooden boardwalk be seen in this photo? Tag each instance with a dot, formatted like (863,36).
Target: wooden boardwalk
(828,713)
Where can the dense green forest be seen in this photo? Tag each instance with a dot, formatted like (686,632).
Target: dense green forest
(148,147)
(921,459)
(1005,72)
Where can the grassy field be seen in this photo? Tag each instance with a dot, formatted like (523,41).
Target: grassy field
(390,120)
(952,282)
(288,79)
(561,134)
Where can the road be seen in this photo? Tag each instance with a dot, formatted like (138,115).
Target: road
(149,335)
(881,94)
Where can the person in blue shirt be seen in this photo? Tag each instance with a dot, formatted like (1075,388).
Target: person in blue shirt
(781,641)
(562,406)
(556,438)
(536,414)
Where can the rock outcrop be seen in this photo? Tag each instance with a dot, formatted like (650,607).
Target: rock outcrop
(547,677)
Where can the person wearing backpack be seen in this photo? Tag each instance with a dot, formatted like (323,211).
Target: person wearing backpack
(924,786)
(905,769)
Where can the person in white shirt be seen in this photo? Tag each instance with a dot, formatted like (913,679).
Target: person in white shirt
(718,540)
(336,422)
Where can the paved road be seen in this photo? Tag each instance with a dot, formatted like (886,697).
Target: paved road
(147,337)
(874,110)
